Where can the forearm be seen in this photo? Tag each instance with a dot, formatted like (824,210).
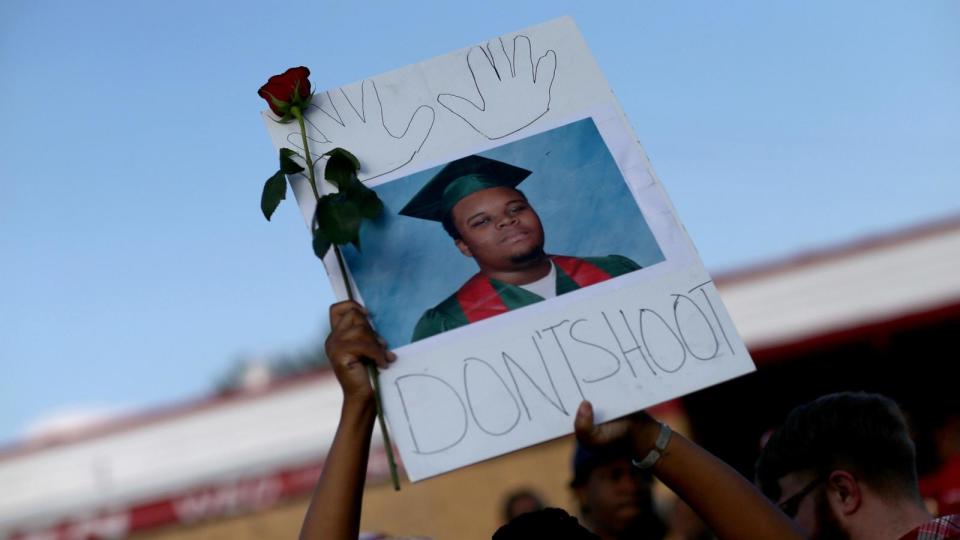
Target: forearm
(334,511)
(732,507)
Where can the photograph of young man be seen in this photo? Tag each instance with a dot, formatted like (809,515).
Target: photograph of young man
(491,221)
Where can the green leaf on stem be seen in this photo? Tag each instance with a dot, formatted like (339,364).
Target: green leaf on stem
(345,154)
(342,167)
(320,243)
(274,191)
(366,200)
(339,218)
(288,165)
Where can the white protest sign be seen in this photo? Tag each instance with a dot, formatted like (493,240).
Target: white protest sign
(619,309)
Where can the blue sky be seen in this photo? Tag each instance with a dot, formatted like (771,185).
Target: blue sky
(136,267)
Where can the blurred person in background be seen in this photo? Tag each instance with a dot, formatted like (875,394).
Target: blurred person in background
(942,487)
(615,498)
(844,467)
(521,501)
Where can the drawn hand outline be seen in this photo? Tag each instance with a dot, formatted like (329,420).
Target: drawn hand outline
(327,128)
(505,83)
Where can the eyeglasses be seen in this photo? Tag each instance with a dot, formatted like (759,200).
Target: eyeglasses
(791,505)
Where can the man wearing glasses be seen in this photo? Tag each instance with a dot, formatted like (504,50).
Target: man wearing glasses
(843,466)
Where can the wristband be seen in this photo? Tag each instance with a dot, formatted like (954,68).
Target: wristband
(654,455)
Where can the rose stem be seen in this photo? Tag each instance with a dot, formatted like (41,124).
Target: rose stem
(371,368)
(306,153)
(375,377)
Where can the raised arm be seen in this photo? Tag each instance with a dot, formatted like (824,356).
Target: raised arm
(334,511)
(732,507)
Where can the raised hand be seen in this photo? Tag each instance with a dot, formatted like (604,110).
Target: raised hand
(333,120)
(513,90)
(351,342)
(640,429)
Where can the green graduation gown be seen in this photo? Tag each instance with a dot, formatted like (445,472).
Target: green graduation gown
(482,297)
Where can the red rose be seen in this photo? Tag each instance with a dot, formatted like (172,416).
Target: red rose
(292,88)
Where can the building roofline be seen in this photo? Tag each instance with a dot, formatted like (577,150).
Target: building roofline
(158,414)
(852,248)
(765,355)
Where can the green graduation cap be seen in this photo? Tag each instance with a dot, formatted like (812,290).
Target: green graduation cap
(457,180)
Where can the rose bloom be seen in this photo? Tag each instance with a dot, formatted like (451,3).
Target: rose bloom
(287,89)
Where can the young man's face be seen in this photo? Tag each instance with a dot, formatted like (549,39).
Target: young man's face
(499,229)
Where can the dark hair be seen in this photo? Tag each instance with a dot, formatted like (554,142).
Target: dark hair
(448,225)
(552,523)
(865,434)
(451,229)
(516,496)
